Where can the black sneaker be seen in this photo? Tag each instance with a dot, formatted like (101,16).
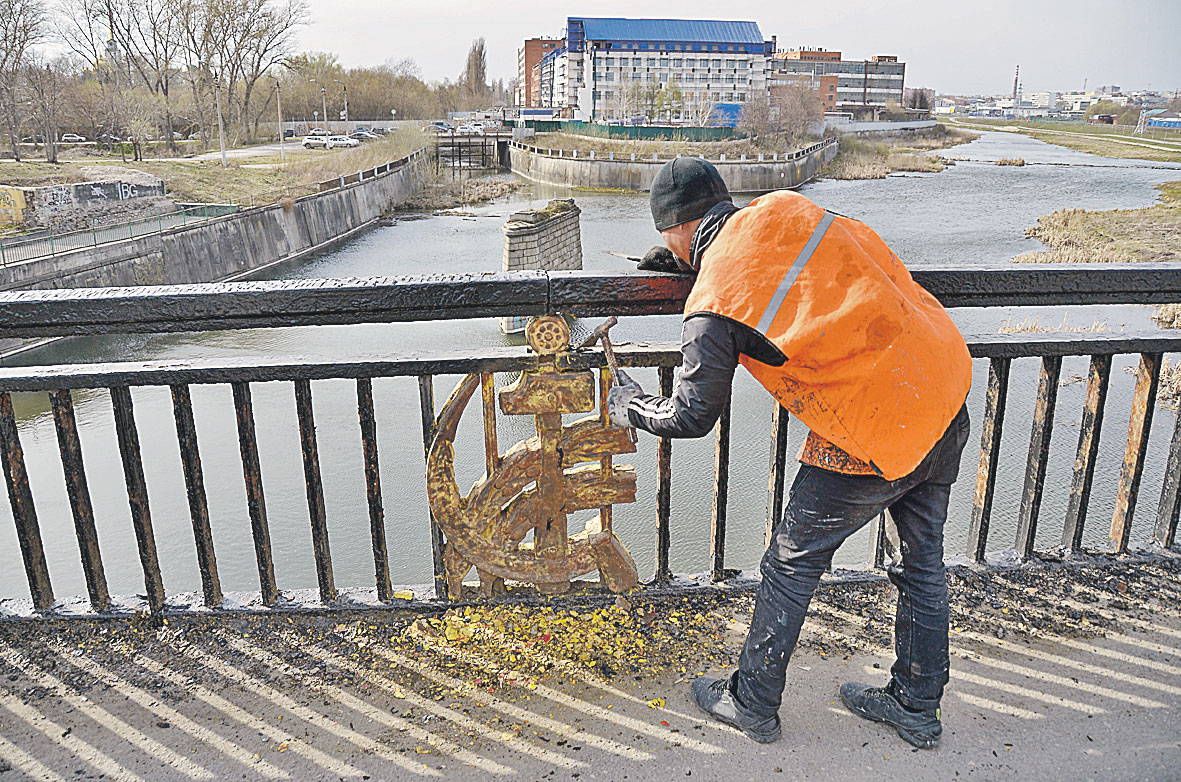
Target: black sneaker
(713,696)
(920,728)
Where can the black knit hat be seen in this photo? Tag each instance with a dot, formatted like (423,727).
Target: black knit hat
(685,189)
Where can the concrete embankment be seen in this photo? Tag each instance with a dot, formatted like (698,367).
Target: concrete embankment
(229,247)
(741,176)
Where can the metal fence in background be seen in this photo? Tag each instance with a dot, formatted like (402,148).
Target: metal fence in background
(773,157)
(49,243)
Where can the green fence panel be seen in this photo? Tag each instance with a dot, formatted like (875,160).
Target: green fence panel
(636,132)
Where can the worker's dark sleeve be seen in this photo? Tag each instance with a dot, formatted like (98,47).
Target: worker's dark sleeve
(710,346)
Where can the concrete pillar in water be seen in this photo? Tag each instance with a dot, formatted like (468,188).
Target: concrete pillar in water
(548,239)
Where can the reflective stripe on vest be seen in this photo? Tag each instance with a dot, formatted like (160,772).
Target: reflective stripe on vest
(793,273)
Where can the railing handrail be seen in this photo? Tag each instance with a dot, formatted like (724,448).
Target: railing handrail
(282,303)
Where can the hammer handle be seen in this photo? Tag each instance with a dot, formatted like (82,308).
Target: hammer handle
(612,364)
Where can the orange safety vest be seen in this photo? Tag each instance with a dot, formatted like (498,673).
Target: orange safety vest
(875,365)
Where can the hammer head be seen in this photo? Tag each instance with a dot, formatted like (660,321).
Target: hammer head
(599,332)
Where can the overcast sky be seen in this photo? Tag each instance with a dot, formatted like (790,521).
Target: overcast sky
(950,45)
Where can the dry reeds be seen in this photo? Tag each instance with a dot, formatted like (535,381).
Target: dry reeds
(1011,161)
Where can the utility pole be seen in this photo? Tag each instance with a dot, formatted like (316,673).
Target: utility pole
(221,132)
(279,104)
(324,105)
(346,104)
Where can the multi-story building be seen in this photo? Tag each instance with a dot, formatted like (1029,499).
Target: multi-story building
(605,66)
(527,57)
(861,86)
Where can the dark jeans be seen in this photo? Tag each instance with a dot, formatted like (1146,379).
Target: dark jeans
(824,509)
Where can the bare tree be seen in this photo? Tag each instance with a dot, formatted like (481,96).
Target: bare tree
(755,118)
(149,32)
(699,109)
(473,80)
(45,81)
(796,111)
(22,24)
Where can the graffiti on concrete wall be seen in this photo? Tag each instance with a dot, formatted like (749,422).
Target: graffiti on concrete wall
(12,205)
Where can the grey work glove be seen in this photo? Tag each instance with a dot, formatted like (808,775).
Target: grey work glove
(622,392)
(659,259)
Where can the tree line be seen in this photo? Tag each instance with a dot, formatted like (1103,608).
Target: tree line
(163,70)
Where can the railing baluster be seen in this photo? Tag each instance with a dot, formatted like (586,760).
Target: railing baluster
(1143,401)
(488,398)
(1088,451)
(24,513)
(315,490)
(381,557)
(137,497)
(990,445)
(717,528)
(1170,498)
(70,448)
(664,468)
(255,500)
(605,461)
(426,402)
(1039,452)
(777,470)
(190,460)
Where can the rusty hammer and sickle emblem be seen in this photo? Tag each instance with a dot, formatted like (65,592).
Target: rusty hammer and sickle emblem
(536,484)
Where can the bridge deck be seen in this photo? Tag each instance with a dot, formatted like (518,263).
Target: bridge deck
(1057,672)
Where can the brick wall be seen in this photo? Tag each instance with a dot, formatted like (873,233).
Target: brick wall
(542,239)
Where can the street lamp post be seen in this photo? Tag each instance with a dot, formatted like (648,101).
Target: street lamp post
(221,133)
(279,105)
(346,104)
(324,105)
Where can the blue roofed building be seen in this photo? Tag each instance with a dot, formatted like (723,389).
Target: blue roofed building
(605,67)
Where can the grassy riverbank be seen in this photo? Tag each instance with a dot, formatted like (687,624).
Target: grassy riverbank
(1116,235)
(245,180)
(1081,139)
(876,157)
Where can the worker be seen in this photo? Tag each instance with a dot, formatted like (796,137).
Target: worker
(821,312)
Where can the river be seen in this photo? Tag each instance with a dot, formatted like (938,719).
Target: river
(972,213)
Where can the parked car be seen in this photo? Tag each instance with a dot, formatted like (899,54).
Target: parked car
(72,138)
(288,133)
(33,140)
(317,132)
(361,129)
(342,141)
(363,135)
(381,131)
(316,142)
(108,138)
(469,130)
(438,126)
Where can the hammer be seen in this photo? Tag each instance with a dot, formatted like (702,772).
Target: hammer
(600,333)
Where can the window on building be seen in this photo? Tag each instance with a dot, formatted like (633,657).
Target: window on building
(664,77)
(651,62)
(743,64)
(742,97)
(729,96)
(717,63)
(713,48)
(729,48)
(729,78)
(677,63)
(610,62)
(610,76)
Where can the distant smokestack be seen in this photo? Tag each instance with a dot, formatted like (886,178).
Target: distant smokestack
(1016,76)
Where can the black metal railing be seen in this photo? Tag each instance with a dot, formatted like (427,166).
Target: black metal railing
(191,308)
